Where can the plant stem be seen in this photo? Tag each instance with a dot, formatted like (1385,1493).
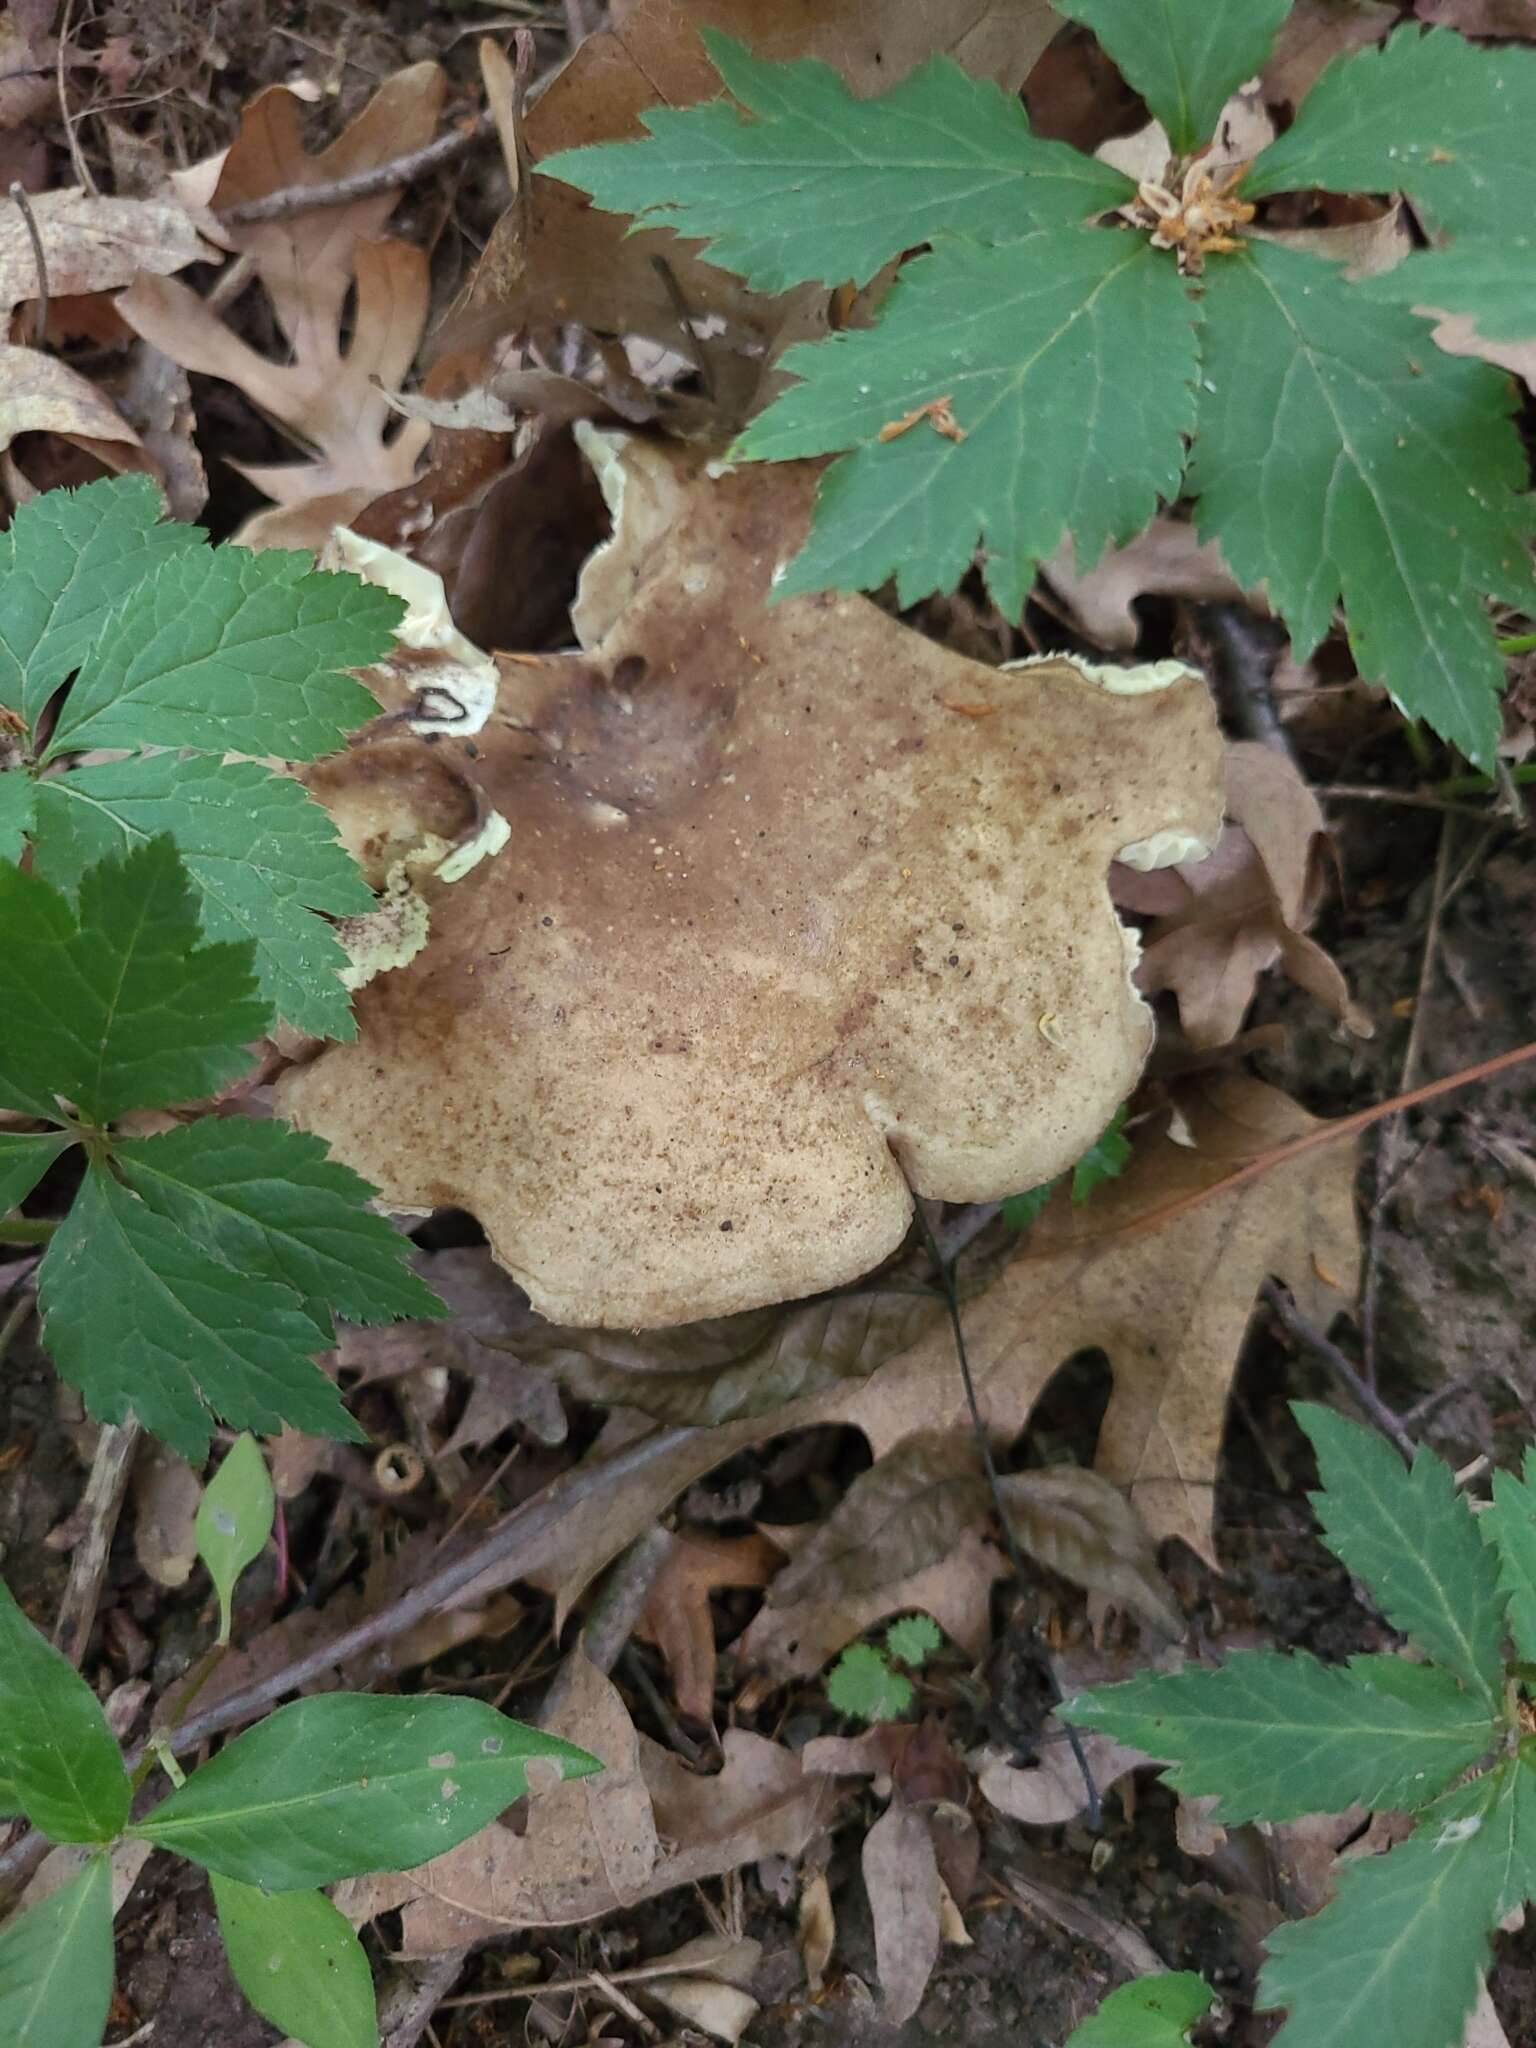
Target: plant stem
(1483,785)
(1518,643)
(25,1230)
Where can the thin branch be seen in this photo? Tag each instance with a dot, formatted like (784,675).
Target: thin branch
(99,1509)
(291,200)
(1360,1391)
(40,312)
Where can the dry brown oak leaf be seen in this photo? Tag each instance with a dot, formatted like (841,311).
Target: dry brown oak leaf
(776,936)
(326,391)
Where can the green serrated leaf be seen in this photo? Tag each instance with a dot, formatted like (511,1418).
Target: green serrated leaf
(299,1963)
(56,1965)
(862,1684)
(1340,453)
(1019,1211)
(1106,1158)
(1065,427)
(1510,1526)
(234,1520)
(118,1006)
(822,185)
(60,1755)
(263,854)
(17,809)
(67,558)
(341,1783)
(270,1201)
(231,651)
(24,1160)
(1450,122)
(1398,1953)
(1278,1736)
(1492,281)
(1413,1540)
(913,1639)
(192,1338)
(1185,57)
(1152,2012)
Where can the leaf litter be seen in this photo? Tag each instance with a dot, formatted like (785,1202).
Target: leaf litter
(1160,1271)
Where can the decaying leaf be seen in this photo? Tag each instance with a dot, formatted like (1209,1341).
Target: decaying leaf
(905,1513)
(1222,923)
(767,905)
(329,396)
(704,1982)
(1052,1790)
(166,1492)
(1167,559)
(41,395)
(654,1827)
(1079,1524)
(678,1617)
(91,244)
(901,1876)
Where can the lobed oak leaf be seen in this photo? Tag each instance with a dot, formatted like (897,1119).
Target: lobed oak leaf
(678,1617)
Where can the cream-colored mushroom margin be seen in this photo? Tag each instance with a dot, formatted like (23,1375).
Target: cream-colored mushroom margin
(798,908)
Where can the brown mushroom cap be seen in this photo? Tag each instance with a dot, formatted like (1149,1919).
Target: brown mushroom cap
(798,909)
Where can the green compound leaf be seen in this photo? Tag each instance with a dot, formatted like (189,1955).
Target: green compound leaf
(862,1684)
(231,650)
(56,1965)
(913,1639)
(1019,1211)
(342,1783)
(1066,428)
(66,560)
(1493,282)
(299,1963)
(234,1520)
(1185,57)
(16,812)
(271,1202)
(192,1337)
(821,185)
(1510,1526)
(1106,1158)
(1340,453)
(118,1006)
(1450,123)
(60,1755)
(264,856)
(23,1162)
(1413,1540)
(1398,1953)
(1278,1736)
(1153,2012)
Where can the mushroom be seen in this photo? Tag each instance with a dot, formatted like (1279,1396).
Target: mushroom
(798,912)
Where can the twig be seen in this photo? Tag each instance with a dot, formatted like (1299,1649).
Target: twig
(983,1437)
(1117,1938)
(1419,800)
(100,1507)
(1389,1155)
(406,2009)
(83,176)
(1360,1391)
(291,200)
(15,1321)
(1247,665)
(578,26)
(40,312)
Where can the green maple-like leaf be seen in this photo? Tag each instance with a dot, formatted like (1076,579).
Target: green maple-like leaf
(913,1639)
(66,560)
(1492,282)
(1341,454)
(230,649)
(16,812)
(24,1159)
(144,1319)
(1185,57)
(117,1005)
(1412,1538)
(821,185)
(1398,1953)
(1447,121)
(1065,428)
(1106,1158)
(1278,1736)
(1510,1526)
(264,856)
(863,1685)
(271,1202)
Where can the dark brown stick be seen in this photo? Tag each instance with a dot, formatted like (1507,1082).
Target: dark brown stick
(291,200)
(1364,1396)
